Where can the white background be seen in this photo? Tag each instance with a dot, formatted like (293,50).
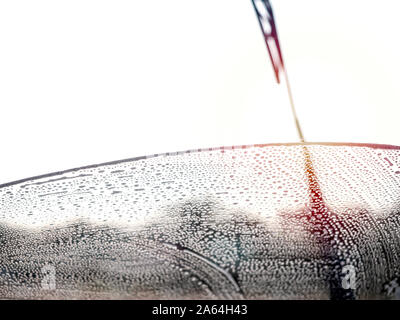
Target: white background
(83,82)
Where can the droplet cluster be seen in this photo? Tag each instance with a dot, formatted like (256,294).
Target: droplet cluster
(240,222)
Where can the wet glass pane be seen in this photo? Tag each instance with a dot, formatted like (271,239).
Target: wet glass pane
(266,221)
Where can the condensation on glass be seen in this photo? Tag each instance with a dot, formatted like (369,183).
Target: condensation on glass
(225,223)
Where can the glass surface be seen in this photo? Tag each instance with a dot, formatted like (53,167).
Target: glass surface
(307,221)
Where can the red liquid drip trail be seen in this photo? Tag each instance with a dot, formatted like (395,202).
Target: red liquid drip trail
(326,228)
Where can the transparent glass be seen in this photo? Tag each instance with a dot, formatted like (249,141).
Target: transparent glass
(279,221)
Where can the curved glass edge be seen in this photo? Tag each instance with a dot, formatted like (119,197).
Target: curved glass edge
(333,144)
